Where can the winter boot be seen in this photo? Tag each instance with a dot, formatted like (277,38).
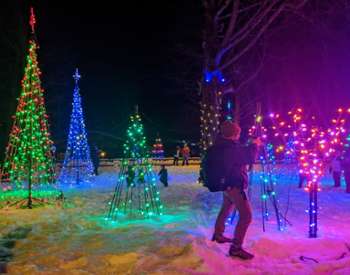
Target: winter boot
(219,238)
(239,252)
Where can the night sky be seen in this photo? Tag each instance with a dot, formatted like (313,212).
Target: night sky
(148,53)
(127,54)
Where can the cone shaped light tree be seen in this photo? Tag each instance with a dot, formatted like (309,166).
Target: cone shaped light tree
(158,149)
(77,166)
(28,164)
(136,193)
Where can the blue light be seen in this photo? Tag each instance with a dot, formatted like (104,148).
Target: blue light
(219,75)
(208,76)
(77,166)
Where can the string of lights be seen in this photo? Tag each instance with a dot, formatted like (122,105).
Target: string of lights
(77,166)
(136,193)
(28,159)
(313,147)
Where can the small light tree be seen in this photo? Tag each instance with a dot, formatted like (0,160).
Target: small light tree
(158,149)
(136,193)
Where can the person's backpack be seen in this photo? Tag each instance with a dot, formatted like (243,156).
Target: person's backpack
(214,170)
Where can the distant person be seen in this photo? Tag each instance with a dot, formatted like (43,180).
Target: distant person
(177,156)
(163,175)
(302,179)
(346,168)
(185,152)
(225,168)
(95,158)
(53,152)
(335,169)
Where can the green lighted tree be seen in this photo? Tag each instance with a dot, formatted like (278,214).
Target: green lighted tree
(136,193)
(28,160)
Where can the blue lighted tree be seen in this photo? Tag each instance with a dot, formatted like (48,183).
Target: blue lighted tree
(77,166)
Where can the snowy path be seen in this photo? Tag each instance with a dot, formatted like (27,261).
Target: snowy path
(77,240)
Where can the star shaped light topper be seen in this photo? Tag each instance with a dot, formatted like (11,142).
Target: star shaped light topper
(32,20)
(76,75)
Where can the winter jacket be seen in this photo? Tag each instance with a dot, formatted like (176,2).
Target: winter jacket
(185,151)
(237,157)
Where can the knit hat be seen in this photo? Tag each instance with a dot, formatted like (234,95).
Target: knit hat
(230,129)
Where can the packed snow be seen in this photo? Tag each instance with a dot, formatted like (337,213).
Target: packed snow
(78,240)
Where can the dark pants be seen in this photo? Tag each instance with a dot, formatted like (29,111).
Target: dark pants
(165,183)
(302,178)
(347,181)
(185,161)
(237,198)
(336,178)
(176,161)
(96,165)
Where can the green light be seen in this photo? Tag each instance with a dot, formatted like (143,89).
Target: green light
(28,155)
(136,179)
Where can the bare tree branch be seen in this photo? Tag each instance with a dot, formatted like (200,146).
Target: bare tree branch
(255,39)
(232,24)
(252,75)
(222,9)
(250,26)
(232,30)
(255,19)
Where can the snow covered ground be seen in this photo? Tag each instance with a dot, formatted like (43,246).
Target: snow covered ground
(77,239)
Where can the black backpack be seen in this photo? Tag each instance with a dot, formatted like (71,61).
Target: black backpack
(215,170)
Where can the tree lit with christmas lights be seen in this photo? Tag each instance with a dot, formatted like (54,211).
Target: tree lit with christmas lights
(77,166)
(136,193)
(158,150)
(28,161)
(313,147)
(267,161)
